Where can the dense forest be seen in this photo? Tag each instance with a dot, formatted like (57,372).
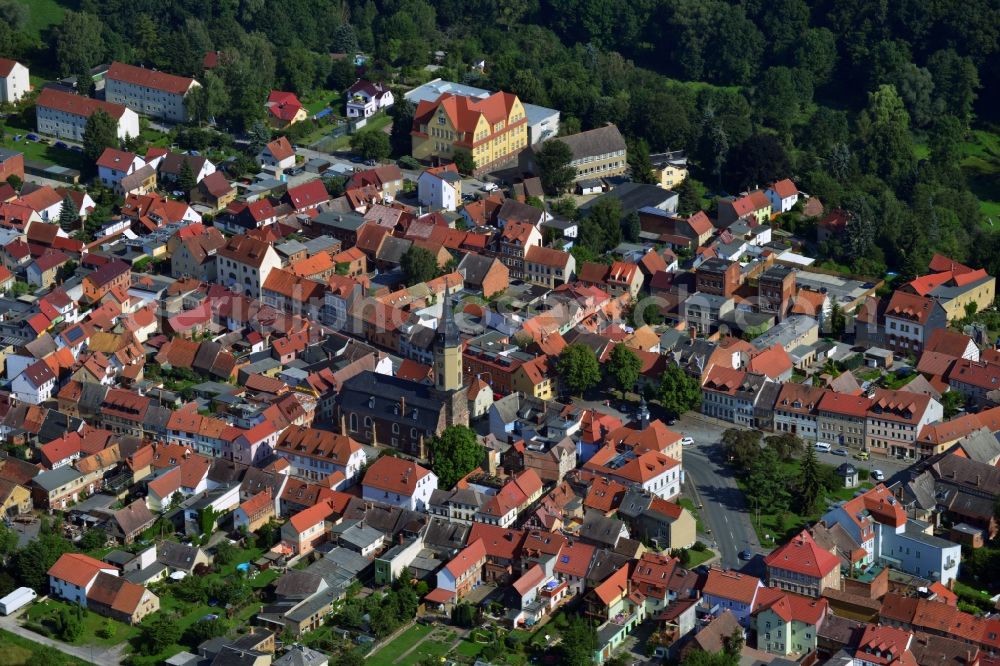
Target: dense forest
(866,104)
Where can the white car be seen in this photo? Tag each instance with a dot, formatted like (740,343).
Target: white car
(687,441)
(490,187)
(878,475)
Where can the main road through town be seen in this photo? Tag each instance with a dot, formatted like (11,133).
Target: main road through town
(711,485)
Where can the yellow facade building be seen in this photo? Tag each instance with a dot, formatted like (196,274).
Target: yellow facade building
(493,130)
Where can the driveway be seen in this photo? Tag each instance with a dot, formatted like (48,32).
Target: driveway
(111,656)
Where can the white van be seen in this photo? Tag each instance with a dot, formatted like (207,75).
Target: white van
(822,447)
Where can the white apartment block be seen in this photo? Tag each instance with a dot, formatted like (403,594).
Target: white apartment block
(147,91)
(65,115)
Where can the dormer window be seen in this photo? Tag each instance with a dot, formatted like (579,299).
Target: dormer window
(441,119)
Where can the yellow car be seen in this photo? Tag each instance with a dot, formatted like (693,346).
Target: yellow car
(861,455)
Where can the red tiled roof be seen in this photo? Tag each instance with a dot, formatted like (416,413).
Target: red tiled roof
(395,475)
(77,569)
(306,518)
(280,148)
(118,160)
(802,555)
(731,585)
(283,105)
(470,556)
(785,188)
(909,306)
(149,78)
(76,104)
(844,404)
(6,66)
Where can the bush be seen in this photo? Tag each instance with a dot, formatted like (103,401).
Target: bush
(863,475)
(407,162)
(699,546)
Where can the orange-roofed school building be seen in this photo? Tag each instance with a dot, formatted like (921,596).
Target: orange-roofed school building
(492,130)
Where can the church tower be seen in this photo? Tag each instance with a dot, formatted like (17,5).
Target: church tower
(448,383)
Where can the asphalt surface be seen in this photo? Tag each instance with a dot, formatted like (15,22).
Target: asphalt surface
(711,485)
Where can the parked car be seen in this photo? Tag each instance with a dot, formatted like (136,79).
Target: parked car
(861,455)
(62,144)
(841,452)
(370,163)
(746,555)
(687,441)
(32,137)
(490,187)
(878,475)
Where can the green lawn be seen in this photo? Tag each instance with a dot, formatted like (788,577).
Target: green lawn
(391,651)
(696,557)
(317,100)
(688,504)
(41,152)
(780,527)
(44,14)
(16,651)
(981,164)
(44,611)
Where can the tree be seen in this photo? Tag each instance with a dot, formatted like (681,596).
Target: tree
(601,229)
(766,485)
(69,218)
(838,321)
(688,197)
(418,265)
(786,445)
(100,132)
(884,135)
(93,539)
(349,658)
(741,446)
(79,42)
(208,100)
(371,144)
(761,159)
(454,453)
(553,162)
(623,367)
(632,227)
(400,141)
(952,401)
(578,368)
(84,82)
(344,40)
(809,484)
(640,166)
(579,642)
(464,162)
(679,392)
(225,553)
(157,632)
(260,136)
(15,181)
(204,630)
(186,179)
(69,624)
(31,563)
